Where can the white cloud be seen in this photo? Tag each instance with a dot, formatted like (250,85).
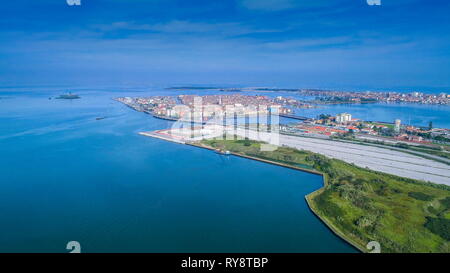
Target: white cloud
(190,27)
(305,43)
(268,5)
(276,5)
(178,28)
(175,26)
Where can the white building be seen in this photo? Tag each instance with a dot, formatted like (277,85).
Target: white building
(343,118)
(398,123)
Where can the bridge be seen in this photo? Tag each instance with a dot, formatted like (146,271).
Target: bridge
(294,117)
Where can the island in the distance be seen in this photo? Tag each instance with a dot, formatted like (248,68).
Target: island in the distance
(68,96)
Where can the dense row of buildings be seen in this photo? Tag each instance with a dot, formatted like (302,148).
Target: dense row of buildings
(188,107)
(370,96)
(206,108)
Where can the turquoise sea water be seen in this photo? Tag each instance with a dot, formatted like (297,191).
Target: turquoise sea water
(67,176)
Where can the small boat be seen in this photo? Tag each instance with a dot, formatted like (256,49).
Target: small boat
(223,152)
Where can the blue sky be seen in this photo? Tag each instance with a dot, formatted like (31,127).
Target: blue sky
(283,43)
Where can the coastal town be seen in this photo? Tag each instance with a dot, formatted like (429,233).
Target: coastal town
(203,108)
(325,96)
(392,147)
(348,97)
(216,108)
(389,157)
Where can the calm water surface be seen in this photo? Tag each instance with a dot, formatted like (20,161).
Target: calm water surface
(67,176)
